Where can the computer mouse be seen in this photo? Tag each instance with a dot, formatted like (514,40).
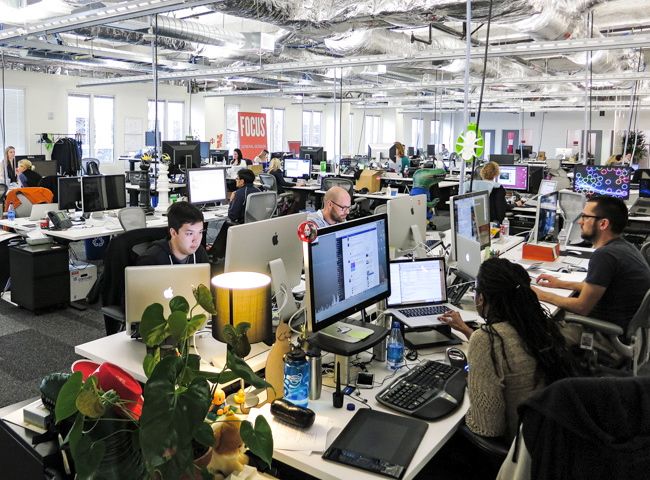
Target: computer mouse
(456,358)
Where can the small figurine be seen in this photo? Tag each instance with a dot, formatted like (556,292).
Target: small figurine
(219,406)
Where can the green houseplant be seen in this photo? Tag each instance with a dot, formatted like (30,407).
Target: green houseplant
(177,397)
(636,145)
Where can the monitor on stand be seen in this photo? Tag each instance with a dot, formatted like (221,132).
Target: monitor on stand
(184,154)
(100,193)
(407,225)
(598,180)
(69,193)
(503,159)
(206,185)
(514,177)
(219,156)
(297,168)
(315,154)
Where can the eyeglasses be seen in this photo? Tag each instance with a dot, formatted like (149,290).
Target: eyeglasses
(342,207)
(584,215)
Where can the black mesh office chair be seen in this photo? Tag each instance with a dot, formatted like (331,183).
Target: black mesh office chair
(90,166)
(645,251)
(132,218)
(360,206)
(285,200)
(3,192)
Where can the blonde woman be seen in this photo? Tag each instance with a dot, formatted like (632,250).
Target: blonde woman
(400,156)
(275,169)
(9,166)
(27,177)
(498,204)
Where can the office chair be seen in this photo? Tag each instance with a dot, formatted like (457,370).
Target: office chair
(51,182)
(645,251)
(131,218)
(3,192)
(583,428)
(494,449)
(359,206)
(260,206)
(90,166)
(571,204)
(632,344)
(557,173)
(381,208)
(123,251)
(269,183)
(24,198)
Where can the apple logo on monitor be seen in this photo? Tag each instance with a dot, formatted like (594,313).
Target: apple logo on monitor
(467,256)
(274,238)
(168,293)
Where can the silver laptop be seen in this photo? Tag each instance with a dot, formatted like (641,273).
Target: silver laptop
(149,284)
(469,256)
(418,292)
(39,210)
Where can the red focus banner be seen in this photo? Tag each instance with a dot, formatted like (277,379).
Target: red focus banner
(252,133)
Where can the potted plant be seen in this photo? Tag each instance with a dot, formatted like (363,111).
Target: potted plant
(177,398)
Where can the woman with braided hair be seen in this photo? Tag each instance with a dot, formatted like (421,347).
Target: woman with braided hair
(517,351)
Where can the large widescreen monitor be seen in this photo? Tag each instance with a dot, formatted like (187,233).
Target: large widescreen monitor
(220,156)
(69,193)
(206,185)
(598,180)
(514,177)
(184,154)
(503,159)
(297,168)
(347,269)
(315,154)
(103,192)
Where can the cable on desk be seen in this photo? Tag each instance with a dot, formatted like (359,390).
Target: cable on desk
(360,399)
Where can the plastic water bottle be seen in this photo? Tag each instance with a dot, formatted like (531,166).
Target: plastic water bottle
(505,228)
(296,377)
(11,212)
(395,348)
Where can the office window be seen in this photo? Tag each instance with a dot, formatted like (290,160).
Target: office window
(14,114)
(311,131)
(417,132)
(435,132)
(91,118)
(372,127)
(170,119)
(232,127)
(274,129)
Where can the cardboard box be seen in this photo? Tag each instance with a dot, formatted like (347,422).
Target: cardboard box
(370,179)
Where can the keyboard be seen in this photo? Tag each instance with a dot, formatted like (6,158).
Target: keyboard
(429,391)
(423,311)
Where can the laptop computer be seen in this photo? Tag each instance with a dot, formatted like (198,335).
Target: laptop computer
(149,284)
(39,210)
(469,256)
(641,206)
(419,292)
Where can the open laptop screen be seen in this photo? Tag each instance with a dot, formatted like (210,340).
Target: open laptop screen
(419,281)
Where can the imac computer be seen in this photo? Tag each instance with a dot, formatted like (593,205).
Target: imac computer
(315,154)
(407,225)
(184,154)
(269,246)
(103,192)
(347,270)
(206,185)
(470,228)
(598,180)
(546,225)
(297,168)
(69,193)
(514,177)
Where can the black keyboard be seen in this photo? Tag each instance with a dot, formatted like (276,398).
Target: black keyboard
(423,311)
(429,391)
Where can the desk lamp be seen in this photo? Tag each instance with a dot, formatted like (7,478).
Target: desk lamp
(243,297)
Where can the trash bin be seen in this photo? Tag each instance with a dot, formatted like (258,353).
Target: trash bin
(95,247)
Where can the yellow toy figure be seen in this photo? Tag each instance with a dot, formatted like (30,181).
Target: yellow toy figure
(227,451)
(218,406)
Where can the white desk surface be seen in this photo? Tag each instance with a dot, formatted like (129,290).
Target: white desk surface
(380,196)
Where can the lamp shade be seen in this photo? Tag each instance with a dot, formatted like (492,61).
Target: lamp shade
(243,297)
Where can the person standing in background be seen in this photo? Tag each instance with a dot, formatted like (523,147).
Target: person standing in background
(261,158)
(8,171)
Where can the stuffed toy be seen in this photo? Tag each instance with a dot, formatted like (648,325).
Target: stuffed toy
(228,450)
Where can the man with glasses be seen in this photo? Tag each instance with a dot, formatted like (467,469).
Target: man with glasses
(618,276)
(336,206)
(183,244)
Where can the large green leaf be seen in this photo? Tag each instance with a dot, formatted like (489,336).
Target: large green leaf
(179,304)
(66,400)
(204,298)
(153,326)
(178,325)
(195,323)
(150,361)
(204,435)
(219,377)
(258,440)
(242,370)
(88,454)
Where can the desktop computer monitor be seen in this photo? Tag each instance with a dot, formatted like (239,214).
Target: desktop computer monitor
(640,173)
(546,225)
(220,156)
(431,150)
(103,192)
(505,159)
(297,168)
(598,180)
(184,154)
(315,154)
(204,150)
(347,270)
(514,177)
(525,151)
(535,177)
(470,224)
(69,193)
(206,185)
(407,223)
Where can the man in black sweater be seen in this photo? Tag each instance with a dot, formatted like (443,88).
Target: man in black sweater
(183,244)
(244,183)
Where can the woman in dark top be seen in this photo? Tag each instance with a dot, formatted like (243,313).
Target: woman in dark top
(275,169)
(237,158)
(26,176)
(498,203)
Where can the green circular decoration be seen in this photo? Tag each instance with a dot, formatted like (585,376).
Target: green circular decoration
(470,143)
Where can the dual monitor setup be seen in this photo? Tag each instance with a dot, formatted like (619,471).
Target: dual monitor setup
(92,193)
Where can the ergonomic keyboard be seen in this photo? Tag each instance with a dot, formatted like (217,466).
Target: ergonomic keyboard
(429,391)
(423,311)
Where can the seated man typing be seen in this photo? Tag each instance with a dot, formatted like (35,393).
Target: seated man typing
(618,276)
(183,245)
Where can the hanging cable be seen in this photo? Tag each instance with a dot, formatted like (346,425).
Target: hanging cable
(480,99)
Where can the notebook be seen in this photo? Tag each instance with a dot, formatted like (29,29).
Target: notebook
(149,284)
(419,292)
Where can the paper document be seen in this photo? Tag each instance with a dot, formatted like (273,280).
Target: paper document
(286,437)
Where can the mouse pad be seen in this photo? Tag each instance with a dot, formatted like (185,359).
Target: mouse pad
(368,442)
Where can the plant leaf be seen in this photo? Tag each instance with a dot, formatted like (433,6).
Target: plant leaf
(242,370)
(258,440)
(153,325)
(204,435)
(88,402)
(66,400)
(242,328)
(178,325)
(219,378)
(150,361)
(179,304)
(195,323)
(203,296)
